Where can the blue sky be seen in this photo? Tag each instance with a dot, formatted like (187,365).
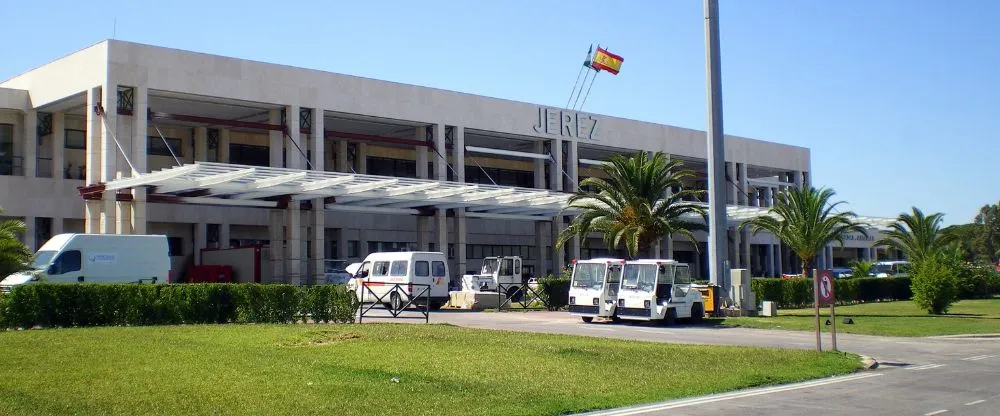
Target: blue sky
(896,99)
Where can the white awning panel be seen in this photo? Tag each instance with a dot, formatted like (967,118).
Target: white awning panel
(237,185)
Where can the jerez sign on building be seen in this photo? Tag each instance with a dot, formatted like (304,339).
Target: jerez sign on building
(566,123)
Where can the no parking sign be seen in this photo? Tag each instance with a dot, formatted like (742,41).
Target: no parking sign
(826,296)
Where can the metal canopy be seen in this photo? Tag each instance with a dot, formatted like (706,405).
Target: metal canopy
(253,186)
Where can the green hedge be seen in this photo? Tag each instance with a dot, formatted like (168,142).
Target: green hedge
(67,305)
(797,293)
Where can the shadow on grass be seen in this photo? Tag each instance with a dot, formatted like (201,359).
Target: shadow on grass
(825,311)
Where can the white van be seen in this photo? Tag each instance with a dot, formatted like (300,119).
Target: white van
(593,289)
(380,272)
(658,290)
(97,258)
(897,268)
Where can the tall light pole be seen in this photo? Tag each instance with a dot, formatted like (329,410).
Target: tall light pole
(718,249)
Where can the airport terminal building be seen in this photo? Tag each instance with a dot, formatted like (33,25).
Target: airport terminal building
(218,152)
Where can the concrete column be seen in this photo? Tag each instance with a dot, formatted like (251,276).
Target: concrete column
(654,250)
(362,158)
(30,139)
(224,140)
(276,232)
(540,250)
(731,189)
(200,240)
(769,260)
(201,144)
(341,243)
(294,158)
(744,182)
(29,233)
(440,164)
(458,154)
(556,172)
(342,162)
(92,214)
(573,169)
(318,212)
(539,166)
(461,241)
(58,146)
(224,235)
(293,243)
(797,179)
(779,264)
(109,156)
(420,134)
(58,226)
(138,207)
(423,233)
(276,141)
(669,247)
(558,255)
(442,231)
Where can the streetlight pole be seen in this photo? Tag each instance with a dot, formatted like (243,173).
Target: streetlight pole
(718,249)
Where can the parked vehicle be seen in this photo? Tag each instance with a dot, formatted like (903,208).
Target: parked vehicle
(658,290)
(97,258)
(379,273)
(497,273)
(898,268)
(335,272)
(593,289)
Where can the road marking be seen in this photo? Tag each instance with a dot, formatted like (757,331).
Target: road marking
(936,412)
(596,328)
(729,396)
(975,402)
(925,367)
(648,331)
(978,357)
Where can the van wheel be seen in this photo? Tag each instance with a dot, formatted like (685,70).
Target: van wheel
(697,313)
(395,302)
(587,319)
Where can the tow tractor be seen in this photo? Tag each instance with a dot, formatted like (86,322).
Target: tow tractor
(497,272)
(593,290)
(660,291)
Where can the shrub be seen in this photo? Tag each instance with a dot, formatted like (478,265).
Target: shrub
(798,292)
(554,291)
(65,305)
(976,281)
(935,286)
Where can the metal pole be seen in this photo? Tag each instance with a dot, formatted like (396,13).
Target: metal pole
(717,243)
(819,340)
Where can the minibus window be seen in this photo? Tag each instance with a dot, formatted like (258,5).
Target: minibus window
(399,268)
(422,269)
(438,269)
(381,268)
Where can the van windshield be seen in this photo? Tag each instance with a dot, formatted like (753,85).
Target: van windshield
(588,275)
(42,259)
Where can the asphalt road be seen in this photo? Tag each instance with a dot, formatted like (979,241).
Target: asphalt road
(916,376)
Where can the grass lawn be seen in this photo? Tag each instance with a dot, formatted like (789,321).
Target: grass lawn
(902,318)
(368,369)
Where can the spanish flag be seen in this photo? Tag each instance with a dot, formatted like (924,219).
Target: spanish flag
(607,61)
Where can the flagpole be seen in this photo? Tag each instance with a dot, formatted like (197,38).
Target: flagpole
(596,72)
(717,228)
(586,64)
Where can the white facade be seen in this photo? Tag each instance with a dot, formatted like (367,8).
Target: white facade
(219,109)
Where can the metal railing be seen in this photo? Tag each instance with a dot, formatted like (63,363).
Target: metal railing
(398,299)
(520,294)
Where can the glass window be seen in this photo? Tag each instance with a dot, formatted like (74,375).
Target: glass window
(422,269)
(245,154)
(155,146)
(588,275)
(6,149)
(614,273)
(67,262)
(365,269)
(451,251)
(438,269)
(642,276)
(175,246)
(665,275)
(373,247)
(399,268)
(42,259)
(682,276)
(75,139)
(380,268)
(352,248)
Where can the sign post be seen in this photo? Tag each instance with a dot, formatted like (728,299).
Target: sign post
(828,297)
(819,339)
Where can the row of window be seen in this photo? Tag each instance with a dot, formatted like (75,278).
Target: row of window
(400,268)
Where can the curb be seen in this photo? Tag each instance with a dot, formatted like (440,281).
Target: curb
(869,363)
(967,336)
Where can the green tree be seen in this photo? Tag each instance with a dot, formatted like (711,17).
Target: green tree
(631,208)
(968,241)
(14,255)
(805,222)
(989,238)
(917,235)
(861,268)
(934,283)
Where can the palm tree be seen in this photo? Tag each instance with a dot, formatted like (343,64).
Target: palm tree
(861,268)
(631,208)
(14,255)
(804,220)
(917,235)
